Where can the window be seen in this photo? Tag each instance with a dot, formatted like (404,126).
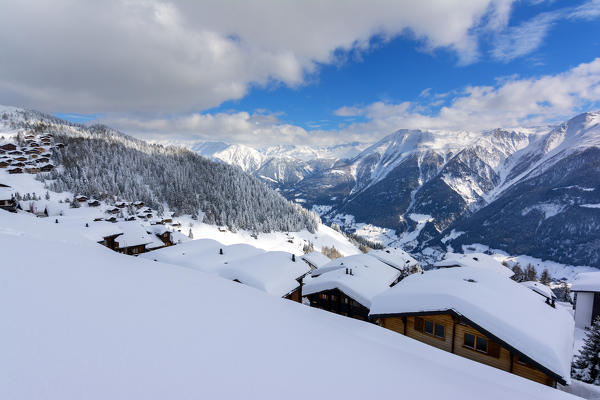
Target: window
(323,296)
(440,331)
(481,344)
(430,328)
(345,300)
(333,297)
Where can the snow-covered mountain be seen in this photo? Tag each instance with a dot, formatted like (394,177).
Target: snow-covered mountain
(423,184)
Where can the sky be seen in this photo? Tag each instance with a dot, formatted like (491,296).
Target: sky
(301,72)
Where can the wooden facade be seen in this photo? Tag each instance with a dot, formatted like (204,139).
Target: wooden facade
(338,302)
(457,335)
(295,295)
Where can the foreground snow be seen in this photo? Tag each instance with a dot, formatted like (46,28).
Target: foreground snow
(85,322)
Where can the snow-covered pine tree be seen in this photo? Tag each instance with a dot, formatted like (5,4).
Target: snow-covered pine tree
(531,273)
(586,365)
(519,275)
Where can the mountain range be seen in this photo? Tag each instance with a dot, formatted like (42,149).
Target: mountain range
(532,191)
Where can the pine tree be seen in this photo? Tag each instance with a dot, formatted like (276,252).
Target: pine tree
(586,365)
(563,293)
(531,273)
(545,277)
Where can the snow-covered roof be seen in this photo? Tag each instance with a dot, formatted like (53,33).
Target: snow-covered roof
(134,234)
(273,272)
(98,230)
(476,260)
(540,288)
(586,282)
(504,308)
(369,278)
(395,257)
(316,259)
(6,193)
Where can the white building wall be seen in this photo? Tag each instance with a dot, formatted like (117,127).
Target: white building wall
(583,309)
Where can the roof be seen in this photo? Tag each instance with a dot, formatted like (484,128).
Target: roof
(6,193)
(273,272)
(98,230)
(476,260)
(504,308)
(540,288)
(369,278)
(586,282)
(316,259)
(395,257)
(134,234)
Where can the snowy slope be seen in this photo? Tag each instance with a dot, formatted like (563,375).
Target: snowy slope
(89,323)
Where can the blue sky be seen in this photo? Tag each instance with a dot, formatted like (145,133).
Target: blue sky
(399,71)
(266,72)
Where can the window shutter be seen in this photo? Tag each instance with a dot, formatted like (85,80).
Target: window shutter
(419,324)
(493,349)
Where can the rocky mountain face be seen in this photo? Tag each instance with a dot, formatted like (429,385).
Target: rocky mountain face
(533,191)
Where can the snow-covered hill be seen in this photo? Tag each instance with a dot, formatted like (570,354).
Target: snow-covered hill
(85,322)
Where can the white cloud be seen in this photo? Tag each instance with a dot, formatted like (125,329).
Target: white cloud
(512,102)
(177,56)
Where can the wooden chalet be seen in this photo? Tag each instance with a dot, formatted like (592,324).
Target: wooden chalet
(42,160)
(111,219)
(32,151)
(8,147)
(15,153)
(81,199)
(34,156)
(483,316)
(60,145)
(4,164)
(21,158)
(29,137)
(46,168)
(92,203)
(113,210)
(32,170)
(347,285)
(15,171)
(135,239)
(7,199)
(138,204)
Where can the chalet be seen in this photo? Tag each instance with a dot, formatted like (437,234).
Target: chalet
(4,164)
(29,137)
(8,147)
(46,168)
(103,233)
(18,164)
(132,218)
(42,160)
(121,204)
(113,210)
(274,272)
(21,158)
(315,259)
(176,224)
(32,151)
(138,204)
(32,170)
(166,221)
(111,219)
(586,288)
(7,199)
(34,156)
(134,239)
(162,233)
(98,219)
(397,258)
(474,260)
(93,202)
(15,153)
(81,199)
(15,171)
(347,285)
(40,150)
(542,290)
(483,316)
(60,145)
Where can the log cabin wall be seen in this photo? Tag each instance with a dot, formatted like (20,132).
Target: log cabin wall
(417,330)
(457,341)
(295,296)
(337,302)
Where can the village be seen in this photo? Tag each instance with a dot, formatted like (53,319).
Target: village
(467,304)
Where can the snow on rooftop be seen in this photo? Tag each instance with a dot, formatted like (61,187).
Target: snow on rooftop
(476,260)
(586,282)
(395,257)
(273,272)
(539,288)
(503,307)
(121,327)
(134,234)
(316,258)
(369,278)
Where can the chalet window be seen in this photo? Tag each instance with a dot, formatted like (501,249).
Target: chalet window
(323,296)
(419,324)
(482,345)
(429,327)
(345,300)
(469,340)
(440,331)
(333,297)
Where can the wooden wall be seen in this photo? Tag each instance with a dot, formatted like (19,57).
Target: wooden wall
(498,357)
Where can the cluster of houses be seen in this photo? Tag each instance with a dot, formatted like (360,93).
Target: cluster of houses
(32,157)
(467,305)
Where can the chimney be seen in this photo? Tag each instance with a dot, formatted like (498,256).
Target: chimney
(351,271)
(221,251)
(293,257)
(346,271)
